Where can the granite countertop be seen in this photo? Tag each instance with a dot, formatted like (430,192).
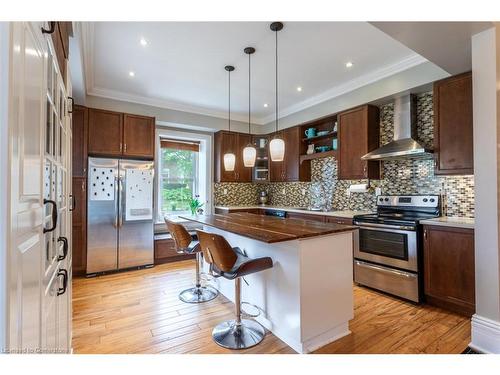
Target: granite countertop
(457,222)
(269,229)
(349,214)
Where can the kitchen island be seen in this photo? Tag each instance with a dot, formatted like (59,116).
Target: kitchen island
(306,299)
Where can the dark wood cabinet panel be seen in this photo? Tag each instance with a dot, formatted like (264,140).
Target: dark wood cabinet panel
(290,169)
(244,174)
(224,142)
(165,252)
(358,134)
(138,136)
(231,142)
(311,217)
(105,133)
(338,220)
(80,134)
(453,134)
(79,229)
(449,274)
(294,147)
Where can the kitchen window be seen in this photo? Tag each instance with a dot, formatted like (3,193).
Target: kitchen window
(178,175)
(183,170)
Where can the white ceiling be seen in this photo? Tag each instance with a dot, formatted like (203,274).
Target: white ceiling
(182,67)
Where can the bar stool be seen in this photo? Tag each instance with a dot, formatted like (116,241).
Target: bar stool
(186,244)
(232,264)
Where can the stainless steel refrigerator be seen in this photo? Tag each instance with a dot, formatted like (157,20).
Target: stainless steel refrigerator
(119,214)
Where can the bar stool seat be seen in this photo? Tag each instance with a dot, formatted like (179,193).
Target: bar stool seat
(233,264)
(188,244)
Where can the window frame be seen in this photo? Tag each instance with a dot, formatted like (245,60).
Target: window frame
(205,167)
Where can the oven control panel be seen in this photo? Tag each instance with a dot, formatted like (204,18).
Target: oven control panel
(408,200)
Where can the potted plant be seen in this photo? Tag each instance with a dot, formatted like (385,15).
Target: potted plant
(195,205)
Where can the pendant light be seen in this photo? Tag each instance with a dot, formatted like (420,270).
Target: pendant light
(277,145)
(249,152)
(229,157)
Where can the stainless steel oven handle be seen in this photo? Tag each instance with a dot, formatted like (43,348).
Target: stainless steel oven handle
(385,270)
(386,226)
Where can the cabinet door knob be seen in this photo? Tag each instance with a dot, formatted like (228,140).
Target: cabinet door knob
(425,234)
(125,147)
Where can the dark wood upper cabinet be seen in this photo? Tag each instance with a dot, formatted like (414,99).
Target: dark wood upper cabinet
(80,134)
(290,169)
(244,173)
(449,274)
(358,134)
(453,135)
(138,136)
(105,133)
(226,142)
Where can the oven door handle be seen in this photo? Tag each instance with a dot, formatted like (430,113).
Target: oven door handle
(384,226)
(385,269)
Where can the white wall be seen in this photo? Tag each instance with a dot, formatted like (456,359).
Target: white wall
(4,137)
(485,70)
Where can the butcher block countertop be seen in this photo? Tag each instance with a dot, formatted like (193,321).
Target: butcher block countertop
(269,229)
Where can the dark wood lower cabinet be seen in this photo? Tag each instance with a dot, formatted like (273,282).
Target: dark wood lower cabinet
(449,274)
(338,220)
(79,229)
(297,215)
(165,250)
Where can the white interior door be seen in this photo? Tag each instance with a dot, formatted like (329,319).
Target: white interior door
(26,123)
(39,272)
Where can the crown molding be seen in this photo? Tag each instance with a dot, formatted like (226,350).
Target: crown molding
(349,86)
(88,37)
(165,104)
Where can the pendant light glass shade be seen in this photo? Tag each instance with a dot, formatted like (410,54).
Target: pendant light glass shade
(249,152)
(229,162)
(277,149)
(249,156)
(229,157)
(277,145)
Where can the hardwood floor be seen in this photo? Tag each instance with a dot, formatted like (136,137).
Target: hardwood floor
(139,312)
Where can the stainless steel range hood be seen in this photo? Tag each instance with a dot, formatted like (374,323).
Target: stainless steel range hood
(404,145)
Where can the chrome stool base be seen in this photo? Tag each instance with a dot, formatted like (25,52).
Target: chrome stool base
(198,294)
(232,336)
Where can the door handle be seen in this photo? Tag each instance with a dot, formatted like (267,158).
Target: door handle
(62,272)
(72,104)
(73,202)
(64,240)
(51,29)
(120,193)
(54,215)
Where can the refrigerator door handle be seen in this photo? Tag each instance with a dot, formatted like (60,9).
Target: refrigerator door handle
(120,194)
(117,203)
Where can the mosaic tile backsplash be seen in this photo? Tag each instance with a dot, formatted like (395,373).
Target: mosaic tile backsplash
(399,177)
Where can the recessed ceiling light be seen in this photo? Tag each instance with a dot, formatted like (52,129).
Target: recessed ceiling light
(266,105)
(348,64)
(143,42)
(131,74)
(299,89)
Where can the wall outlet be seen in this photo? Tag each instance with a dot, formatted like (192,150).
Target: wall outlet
(283,191)
(225,191)
(378,191)
(303,191)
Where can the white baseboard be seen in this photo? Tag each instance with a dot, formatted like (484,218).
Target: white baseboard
(485,335)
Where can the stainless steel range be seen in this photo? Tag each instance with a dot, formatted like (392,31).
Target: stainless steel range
(388,252)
